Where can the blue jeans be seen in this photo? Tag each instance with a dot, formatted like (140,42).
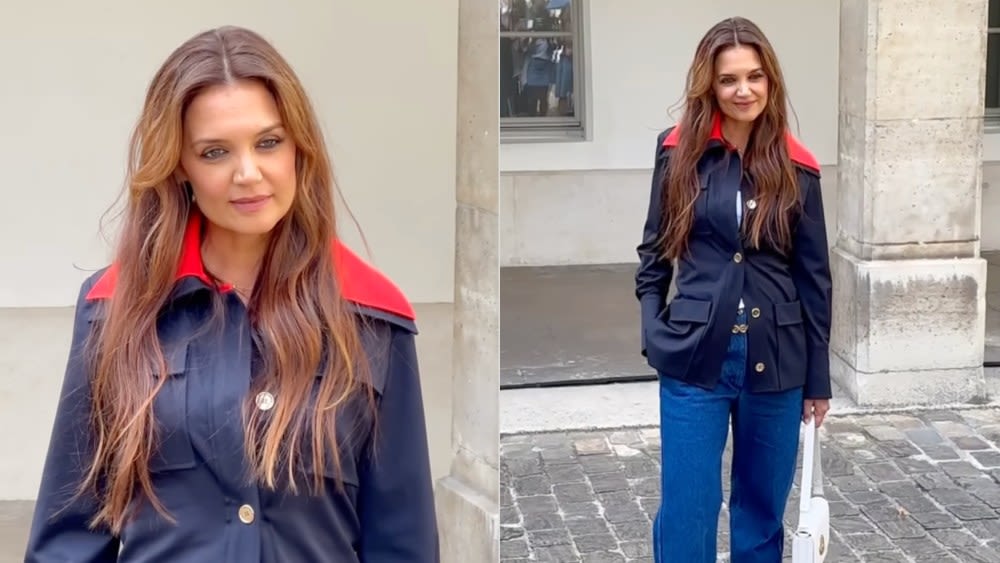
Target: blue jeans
(694,424)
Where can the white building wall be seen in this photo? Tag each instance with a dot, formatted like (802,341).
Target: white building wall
(75,76)
(584,202)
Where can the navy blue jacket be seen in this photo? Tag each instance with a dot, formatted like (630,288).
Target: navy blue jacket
(787,299)
(384,514)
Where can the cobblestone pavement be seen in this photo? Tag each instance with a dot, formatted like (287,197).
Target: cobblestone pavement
(903,487)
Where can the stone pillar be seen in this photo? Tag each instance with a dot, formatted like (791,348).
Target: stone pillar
(909,285)
(468,498)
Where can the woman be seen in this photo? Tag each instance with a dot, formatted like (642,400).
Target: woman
(241,387)
(736,203)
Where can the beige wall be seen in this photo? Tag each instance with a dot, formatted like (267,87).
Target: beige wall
(76,72)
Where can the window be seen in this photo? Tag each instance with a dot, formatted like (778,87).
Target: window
(993,65)
(541,70)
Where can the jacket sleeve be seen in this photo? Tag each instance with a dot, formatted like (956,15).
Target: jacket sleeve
(654,274)
(396,497)
(59,528)
(811,274)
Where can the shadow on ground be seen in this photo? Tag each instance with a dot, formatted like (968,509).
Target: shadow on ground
(580,323)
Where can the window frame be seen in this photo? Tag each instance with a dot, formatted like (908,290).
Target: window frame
(991,115)
(555,129)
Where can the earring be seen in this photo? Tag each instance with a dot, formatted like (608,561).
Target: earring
(189,190)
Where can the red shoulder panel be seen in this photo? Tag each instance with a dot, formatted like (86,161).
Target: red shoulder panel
(800,154)
(672,137)
(797,152)
(105,284)
(361,283)
(189,265)
(715,135)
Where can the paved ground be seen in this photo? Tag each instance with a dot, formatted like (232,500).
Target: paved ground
(903,487)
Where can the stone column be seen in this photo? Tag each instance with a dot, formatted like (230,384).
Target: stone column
(909,286)
(468,498)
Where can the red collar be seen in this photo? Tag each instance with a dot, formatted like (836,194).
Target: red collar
(796,150)
(360,282)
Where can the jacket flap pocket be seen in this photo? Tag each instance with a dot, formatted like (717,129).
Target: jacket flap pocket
(788,313)
(346,473)
(173,450)
(376,346)
(175,356)
(703,180)
(690,311)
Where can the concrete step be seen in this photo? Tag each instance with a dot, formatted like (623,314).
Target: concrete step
(15,521)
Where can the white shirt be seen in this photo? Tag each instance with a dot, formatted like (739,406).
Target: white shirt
(739,219)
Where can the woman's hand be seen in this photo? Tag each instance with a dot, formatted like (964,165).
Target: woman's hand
(817,407)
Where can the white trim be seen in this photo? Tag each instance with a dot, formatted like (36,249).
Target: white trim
(991,144)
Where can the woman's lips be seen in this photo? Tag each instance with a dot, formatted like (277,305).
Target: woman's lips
(251,204)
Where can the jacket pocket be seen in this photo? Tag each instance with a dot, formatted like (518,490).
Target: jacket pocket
(170,409)
(353,428)
(346,473)
(674,340)
(791,340)
(701,223)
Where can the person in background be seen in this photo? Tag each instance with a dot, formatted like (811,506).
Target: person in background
(241,387)
(539,75)
(563,90)
(736,219)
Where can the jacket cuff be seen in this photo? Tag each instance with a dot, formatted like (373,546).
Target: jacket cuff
(818,377)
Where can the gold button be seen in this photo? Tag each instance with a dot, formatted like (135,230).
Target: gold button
(759,367)
(751,204)
(265,401)
(755,313)
(737,258)
(246,514)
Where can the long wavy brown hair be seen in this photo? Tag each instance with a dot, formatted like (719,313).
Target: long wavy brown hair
(767,160)
(301,322)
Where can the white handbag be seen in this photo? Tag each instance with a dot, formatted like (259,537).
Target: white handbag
(811,541)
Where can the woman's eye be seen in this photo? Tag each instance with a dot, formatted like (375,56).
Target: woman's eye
(217,153)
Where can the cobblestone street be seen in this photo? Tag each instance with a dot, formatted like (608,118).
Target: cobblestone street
(917,486)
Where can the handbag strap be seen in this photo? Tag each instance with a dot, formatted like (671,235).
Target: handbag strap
(812,466)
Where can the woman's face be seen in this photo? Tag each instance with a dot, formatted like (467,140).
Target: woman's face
(238,158)
(740,84)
